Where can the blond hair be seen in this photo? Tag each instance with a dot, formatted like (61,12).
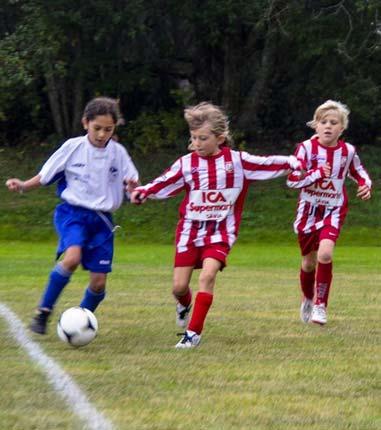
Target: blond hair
(205,112)
(341,109)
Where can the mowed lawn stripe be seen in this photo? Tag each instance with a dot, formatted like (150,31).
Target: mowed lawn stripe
(63,384)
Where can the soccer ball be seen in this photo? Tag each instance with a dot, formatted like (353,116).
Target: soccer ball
(77,326)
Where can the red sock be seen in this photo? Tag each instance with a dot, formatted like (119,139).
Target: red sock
(307,283)
(201,307)
(323,282)
(186,299)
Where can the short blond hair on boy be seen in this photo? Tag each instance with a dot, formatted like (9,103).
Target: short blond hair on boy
(342,110)
(205,112)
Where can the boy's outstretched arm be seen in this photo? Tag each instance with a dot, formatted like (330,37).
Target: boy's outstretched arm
(301,179)
(17,185)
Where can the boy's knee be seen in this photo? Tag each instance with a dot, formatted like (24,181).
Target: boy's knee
(179,288)
(97,288)
(206,281)
(97,284)
(71,263)
(206,278)
(308,264)
(325,257)
(308,267)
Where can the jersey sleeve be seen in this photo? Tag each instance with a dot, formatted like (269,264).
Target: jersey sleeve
(358,173)
(299,179)
(130,171)
(169,184)
(56,163)
(262,168)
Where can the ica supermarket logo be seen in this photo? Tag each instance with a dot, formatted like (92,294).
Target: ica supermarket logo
(325,184)
(212,197)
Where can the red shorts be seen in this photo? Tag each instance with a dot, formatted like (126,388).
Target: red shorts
(309,242)
(195,255)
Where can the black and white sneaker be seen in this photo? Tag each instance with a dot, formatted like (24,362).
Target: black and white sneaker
(182,314)
(190,340)
(40,321)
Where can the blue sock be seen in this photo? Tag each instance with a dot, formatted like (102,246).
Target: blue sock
(91,299)
(58,279)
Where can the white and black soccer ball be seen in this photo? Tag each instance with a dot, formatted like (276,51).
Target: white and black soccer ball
(77,326)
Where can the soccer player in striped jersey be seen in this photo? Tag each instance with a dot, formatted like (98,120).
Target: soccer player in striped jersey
(323,203)
(215,180)
(93,174)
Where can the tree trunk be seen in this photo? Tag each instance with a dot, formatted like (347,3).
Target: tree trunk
(53,95)
(65,107)
(232,74)
(77,105)
(76,126)
(257,94)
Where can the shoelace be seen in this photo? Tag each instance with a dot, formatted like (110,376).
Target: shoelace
(185,338)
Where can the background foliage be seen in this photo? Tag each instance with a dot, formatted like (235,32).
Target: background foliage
(268,62)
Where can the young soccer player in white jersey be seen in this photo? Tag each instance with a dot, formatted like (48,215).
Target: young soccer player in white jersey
(215,180)
(323,203)
(93,173)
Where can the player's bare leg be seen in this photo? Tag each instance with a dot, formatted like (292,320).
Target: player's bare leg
(182,294)
(72,258)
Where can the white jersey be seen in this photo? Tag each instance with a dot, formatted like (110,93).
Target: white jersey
(215,189)
(93,177)
(323,201)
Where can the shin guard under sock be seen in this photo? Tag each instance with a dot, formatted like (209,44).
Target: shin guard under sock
(201,307)
(91,299)
(323,282)
(58,279)
(307,283)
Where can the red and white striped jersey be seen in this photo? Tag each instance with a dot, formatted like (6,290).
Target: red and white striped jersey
(324,201)
(215,188)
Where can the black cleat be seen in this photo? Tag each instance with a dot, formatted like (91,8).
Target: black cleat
(40,321)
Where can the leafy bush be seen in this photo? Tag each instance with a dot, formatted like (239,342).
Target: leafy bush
(153,132)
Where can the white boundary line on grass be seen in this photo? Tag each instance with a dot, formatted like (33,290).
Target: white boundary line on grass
(63,384)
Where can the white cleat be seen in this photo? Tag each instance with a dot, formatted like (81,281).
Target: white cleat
(182,314)
(306,310)
(319,314)
(190,340)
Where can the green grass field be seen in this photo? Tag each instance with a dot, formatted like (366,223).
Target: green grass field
(258,367)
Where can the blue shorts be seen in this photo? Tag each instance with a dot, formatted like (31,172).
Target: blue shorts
(77,226)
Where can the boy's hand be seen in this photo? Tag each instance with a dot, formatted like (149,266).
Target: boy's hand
(138,197)
(131,185)
(364,192)
(295,163)
(327,170)
(15,184)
